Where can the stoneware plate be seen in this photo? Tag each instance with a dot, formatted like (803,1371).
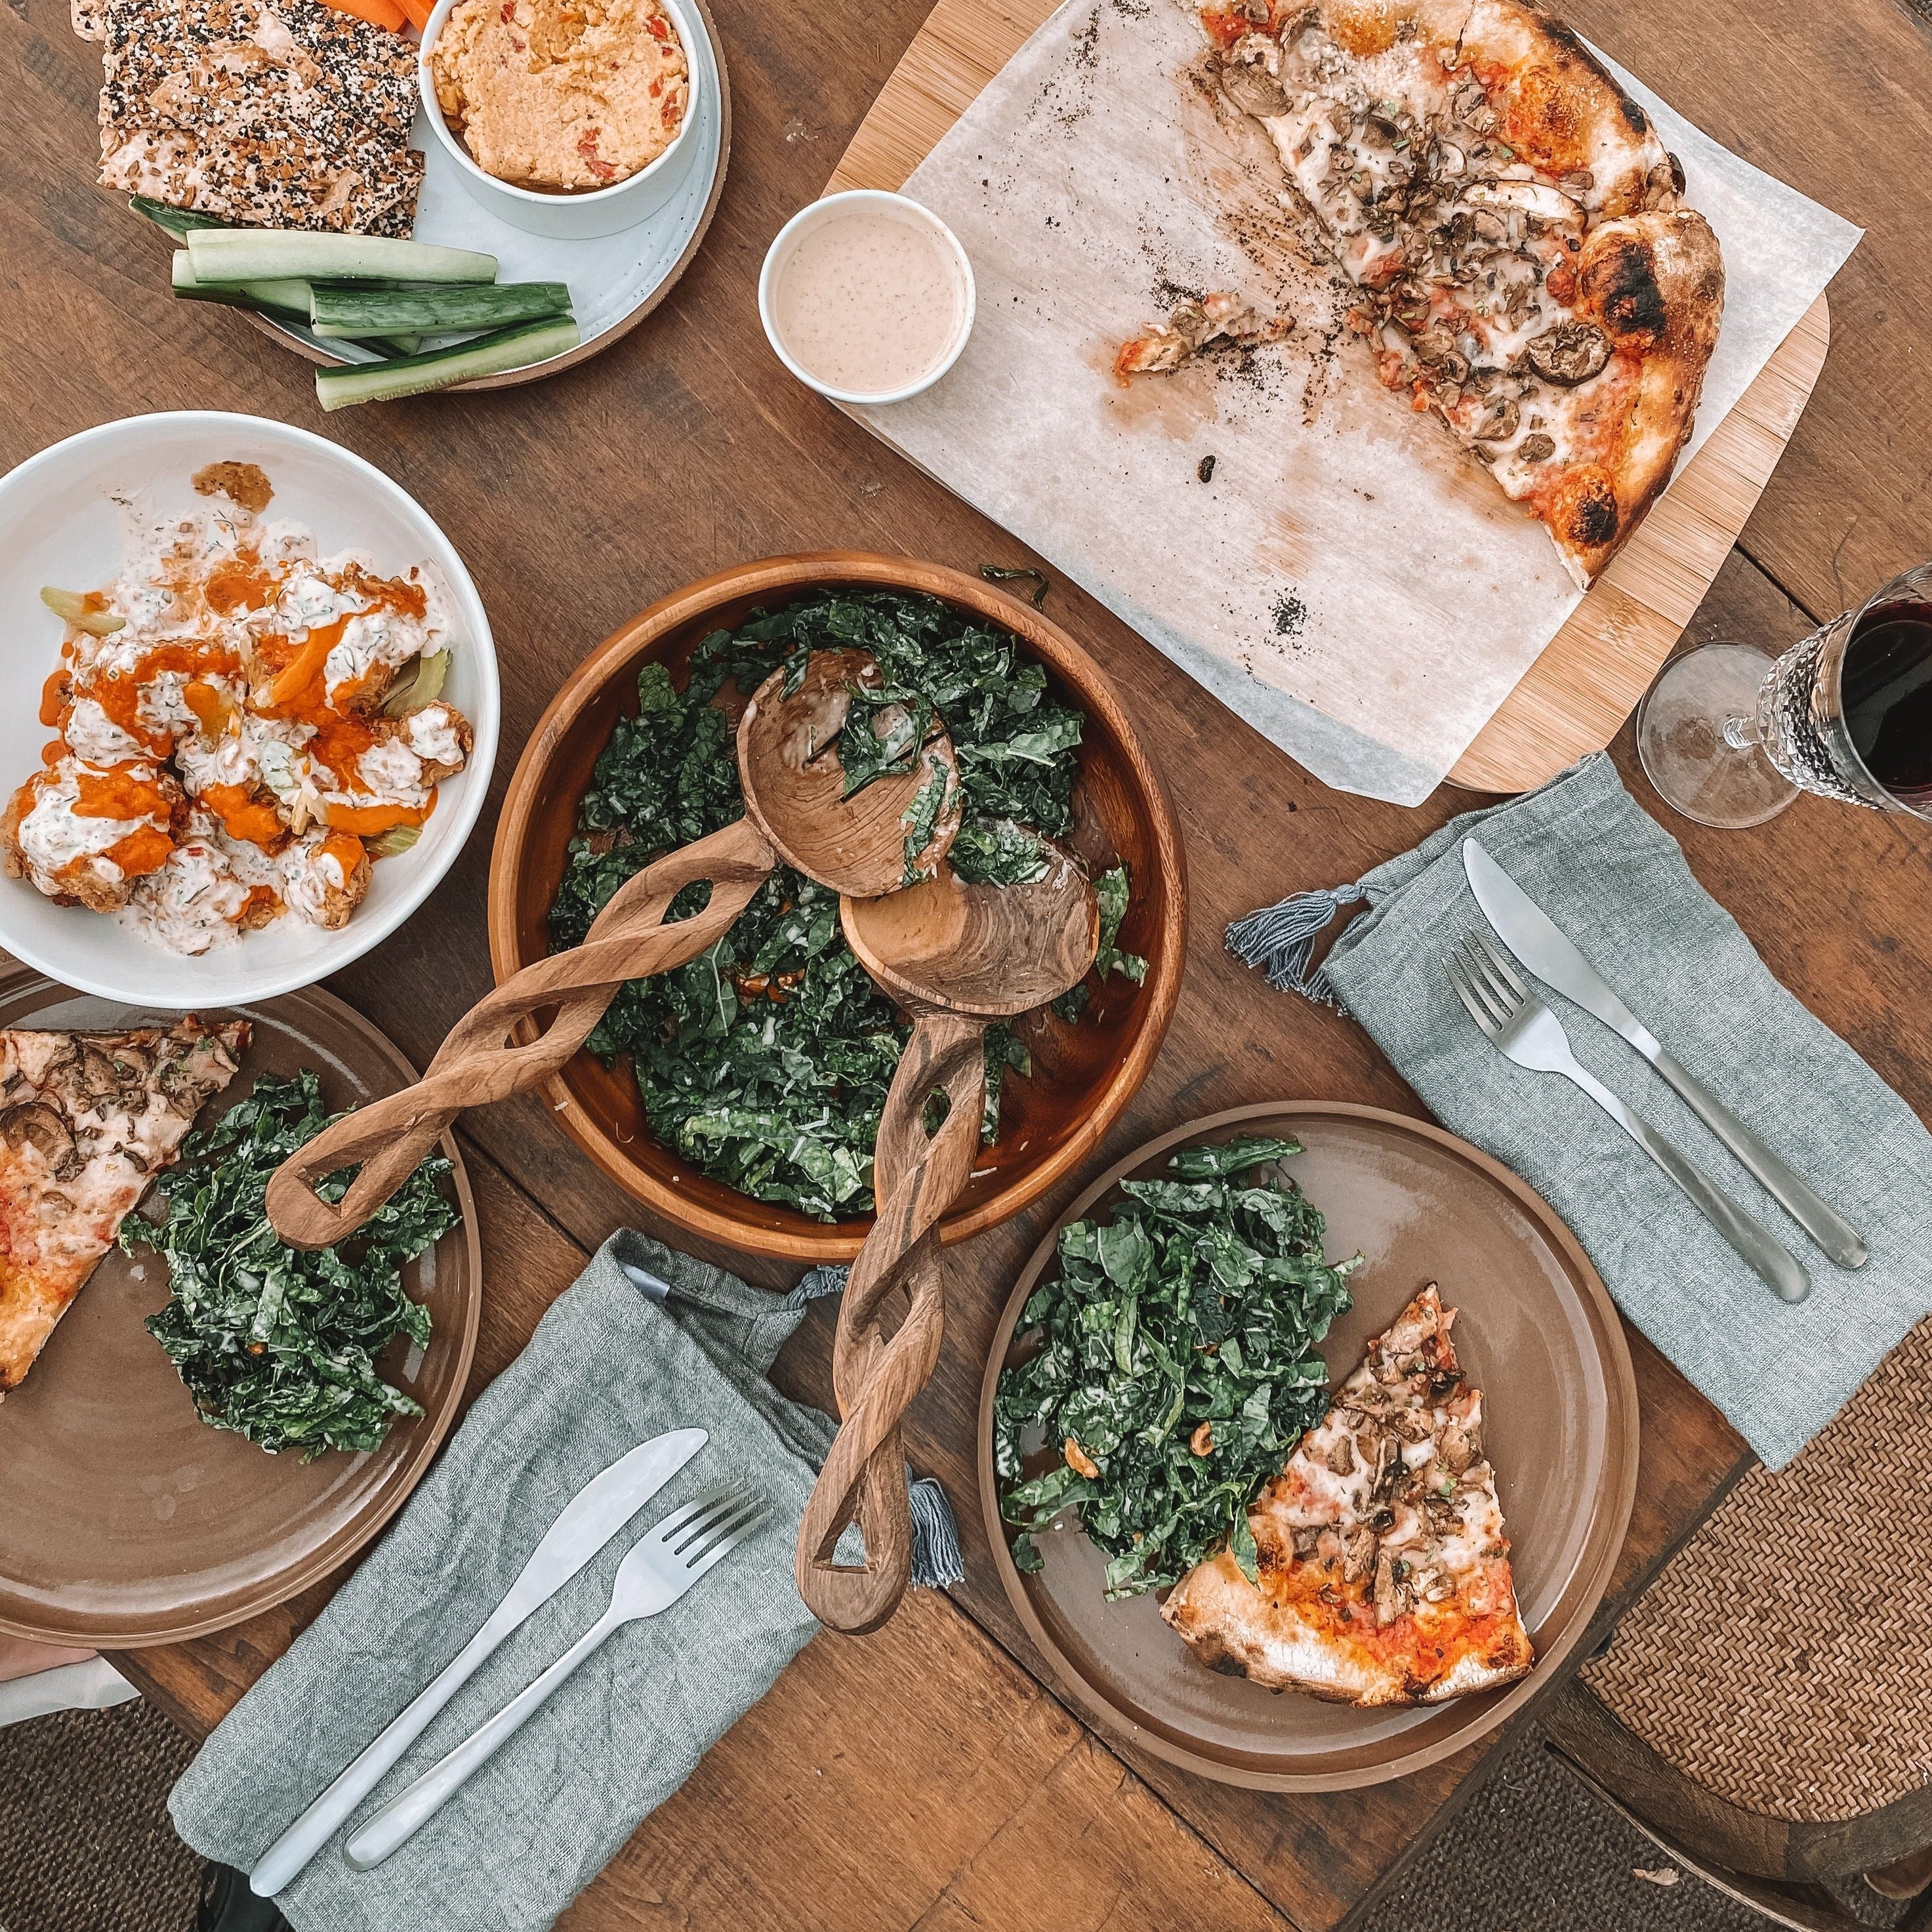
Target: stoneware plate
(1536,1332)
(125,1520)
(1084,1075)
(615,280)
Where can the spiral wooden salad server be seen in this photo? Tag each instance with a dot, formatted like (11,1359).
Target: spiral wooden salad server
(956,957)
(796,814)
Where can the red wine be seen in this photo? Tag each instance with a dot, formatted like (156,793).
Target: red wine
(1887,695)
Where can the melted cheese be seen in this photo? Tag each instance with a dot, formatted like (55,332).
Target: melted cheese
(1312,1621)
(60,1212)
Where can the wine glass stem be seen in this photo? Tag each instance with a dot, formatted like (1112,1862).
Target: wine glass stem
(1741,733)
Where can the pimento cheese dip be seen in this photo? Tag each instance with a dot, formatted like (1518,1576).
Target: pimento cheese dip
(566,95)
(242,727)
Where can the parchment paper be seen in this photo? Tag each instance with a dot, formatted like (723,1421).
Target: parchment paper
(1348,581)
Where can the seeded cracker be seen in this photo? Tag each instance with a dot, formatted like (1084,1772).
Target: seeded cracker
(281,114)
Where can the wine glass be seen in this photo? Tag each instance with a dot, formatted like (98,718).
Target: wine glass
(1730,735)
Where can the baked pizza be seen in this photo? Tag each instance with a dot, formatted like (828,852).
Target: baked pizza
(1524,265)
(1385,1573)
(86,1118)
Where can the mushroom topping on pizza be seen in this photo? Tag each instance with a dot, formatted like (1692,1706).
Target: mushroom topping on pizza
(1524,266)
(1381,1572)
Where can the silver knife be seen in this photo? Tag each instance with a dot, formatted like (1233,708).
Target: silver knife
(1530,933)
(590,1519)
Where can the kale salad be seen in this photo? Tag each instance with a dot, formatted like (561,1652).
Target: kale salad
(278,1344)
(765,1062)
(1178,1363)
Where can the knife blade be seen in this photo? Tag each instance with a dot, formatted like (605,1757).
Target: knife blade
(1540,945)
(587,1522)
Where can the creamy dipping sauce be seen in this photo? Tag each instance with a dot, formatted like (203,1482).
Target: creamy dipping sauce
(868,302)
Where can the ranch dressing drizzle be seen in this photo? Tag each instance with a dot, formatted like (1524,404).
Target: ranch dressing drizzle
(868,302)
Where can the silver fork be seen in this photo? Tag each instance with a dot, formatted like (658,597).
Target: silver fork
(1527,1032)
(664,1564)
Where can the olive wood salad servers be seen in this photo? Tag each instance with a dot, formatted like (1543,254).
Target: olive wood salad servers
(796,813)
(956,957)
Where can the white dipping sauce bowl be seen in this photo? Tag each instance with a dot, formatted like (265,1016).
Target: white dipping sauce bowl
(60,524)
(815,215)
(572,216)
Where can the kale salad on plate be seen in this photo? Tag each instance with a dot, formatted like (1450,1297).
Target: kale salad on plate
(276,1343)
(765,1061)
(1175,1361)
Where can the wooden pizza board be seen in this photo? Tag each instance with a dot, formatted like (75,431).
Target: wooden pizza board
(1576,695)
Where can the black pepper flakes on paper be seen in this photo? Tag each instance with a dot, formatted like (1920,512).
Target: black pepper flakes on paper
(1291,614)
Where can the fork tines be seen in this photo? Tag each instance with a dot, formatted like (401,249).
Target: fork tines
(702,1531)
(1486,981)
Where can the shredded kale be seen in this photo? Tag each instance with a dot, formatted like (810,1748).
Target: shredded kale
(995,573)
(277,1344)
(1178,1356)
(765,1062)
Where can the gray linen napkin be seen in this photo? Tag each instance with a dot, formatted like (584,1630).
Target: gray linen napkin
(607,1367)
(1616,882)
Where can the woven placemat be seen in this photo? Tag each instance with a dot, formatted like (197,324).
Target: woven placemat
(86,1845)
(1780,1660)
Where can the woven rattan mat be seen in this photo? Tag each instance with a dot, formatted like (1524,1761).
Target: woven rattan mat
(86,1845)
(1780,1661)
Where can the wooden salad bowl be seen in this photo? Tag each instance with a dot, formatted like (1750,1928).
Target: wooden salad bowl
(1084,1075)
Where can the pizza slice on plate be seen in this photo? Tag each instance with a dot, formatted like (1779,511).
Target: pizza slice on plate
(86,1119)
(1525,267)
(1385,1573)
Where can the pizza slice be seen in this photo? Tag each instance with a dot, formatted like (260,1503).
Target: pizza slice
(1385,1573)
(86,1118)
(1524,264)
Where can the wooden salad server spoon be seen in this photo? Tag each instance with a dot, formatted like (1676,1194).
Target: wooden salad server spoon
(796,814)
(956,957)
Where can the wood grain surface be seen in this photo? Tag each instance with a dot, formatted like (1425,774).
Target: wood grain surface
(1589,677)
(685,447)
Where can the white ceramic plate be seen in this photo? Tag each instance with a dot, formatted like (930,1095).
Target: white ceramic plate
(59,525)
(615,280)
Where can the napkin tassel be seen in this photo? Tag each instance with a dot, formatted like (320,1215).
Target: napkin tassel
(936,1562)
(1280,940)
(816,1284)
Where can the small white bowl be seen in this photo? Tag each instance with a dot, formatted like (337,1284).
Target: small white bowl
(59,525)
(602,210)
(815,215)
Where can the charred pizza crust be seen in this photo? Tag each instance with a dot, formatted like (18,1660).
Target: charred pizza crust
(1654,282)
(86,1119)
(1384,1571)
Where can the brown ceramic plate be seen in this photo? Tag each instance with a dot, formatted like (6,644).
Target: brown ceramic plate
(1536,1332)
(125,1519)
(1084,1075)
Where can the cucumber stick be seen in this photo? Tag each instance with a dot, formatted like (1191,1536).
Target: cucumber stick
(237,298)
(179,222)
(282,254)
(292,299)
(286,301)
(338,311)
(411,375)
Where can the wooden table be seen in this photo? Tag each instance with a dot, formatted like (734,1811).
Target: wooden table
(930,1775)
